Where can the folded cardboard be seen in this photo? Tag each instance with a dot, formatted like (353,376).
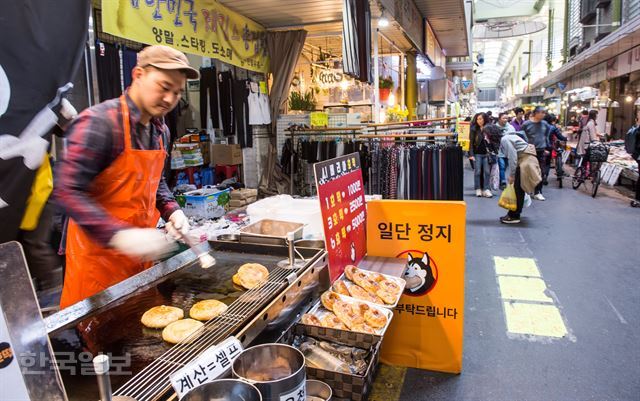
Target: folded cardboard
(244,193)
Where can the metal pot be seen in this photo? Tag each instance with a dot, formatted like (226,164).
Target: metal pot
(277,371)
(224,390)
(318,389)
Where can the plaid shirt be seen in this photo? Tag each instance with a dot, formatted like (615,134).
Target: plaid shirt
(94,140)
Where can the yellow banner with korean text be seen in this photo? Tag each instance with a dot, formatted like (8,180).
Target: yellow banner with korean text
(428,324)
(202,27)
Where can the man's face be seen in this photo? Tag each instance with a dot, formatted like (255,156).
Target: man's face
(520,115)
(538,116)
(503,120)
(160,90)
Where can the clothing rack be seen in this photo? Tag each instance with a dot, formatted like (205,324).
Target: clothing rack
(296,131)
(371,132)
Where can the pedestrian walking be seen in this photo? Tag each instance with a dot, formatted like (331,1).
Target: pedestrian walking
(478,153)
(523,169)
(537,131)
(632,146)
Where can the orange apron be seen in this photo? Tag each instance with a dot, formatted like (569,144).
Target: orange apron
(127,190)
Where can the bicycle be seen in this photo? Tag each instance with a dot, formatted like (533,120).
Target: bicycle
(588,169)
(558,153)
(587,173)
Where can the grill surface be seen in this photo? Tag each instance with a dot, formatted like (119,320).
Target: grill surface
(118,331)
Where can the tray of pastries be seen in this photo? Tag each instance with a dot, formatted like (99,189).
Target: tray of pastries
(345,313)
(376,288)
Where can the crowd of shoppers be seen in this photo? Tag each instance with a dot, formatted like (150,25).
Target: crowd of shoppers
(499,145)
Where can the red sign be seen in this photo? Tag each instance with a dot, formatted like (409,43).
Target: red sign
(341,196)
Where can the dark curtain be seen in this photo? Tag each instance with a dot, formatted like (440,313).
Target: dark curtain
(284,49)
(356,44)
(42,46)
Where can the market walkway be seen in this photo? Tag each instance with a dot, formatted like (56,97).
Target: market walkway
(586,253)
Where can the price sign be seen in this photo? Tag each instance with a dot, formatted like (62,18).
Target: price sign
(341,196)
(212,364)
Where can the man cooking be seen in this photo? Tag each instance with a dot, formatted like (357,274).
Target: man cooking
(111,185)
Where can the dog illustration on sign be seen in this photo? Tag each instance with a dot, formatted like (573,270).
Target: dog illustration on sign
(418,275)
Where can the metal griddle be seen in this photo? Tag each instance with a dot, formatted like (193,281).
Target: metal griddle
(109,322)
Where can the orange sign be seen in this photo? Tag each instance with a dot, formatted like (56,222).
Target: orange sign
(428,324)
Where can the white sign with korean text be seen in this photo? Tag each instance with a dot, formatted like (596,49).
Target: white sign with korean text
(297,394)
(210,365)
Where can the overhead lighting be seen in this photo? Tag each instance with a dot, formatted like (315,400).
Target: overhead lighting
(628,99)
(383,21)
(615,104)
(637,102)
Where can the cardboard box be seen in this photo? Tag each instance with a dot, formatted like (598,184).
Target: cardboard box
(226,155)
(207,203)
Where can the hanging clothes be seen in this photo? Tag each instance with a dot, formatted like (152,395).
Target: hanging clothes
(209,91)
(240,113)
(431,172)
(259,113)
(108,65)
(225,80)
(129,61)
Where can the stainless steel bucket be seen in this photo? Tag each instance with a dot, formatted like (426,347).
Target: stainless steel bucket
(318,390)
(224,390)
(277,371)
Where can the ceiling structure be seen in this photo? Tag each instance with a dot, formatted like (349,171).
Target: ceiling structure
(322,19)
(319,17)
(447,18)
(499,27)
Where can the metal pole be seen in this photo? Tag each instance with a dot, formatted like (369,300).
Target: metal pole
(529,67)
(565,50)
(550,43)
(293,137)
(376,73)
(402,80)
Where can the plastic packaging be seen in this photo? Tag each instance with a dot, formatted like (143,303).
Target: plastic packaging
(508,198)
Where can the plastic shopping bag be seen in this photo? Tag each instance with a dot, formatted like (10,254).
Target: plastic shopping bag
(527,200)
(508,198)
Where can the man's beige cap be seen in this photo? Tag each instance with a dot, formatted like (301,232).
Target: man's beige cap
(166,58)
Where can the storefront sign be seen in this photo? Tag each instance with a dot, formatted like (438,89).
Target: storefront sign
(341,196)
(427,327)
(429,42)
(467,87)
(625,63)
(212,364)
(202,27)
(327,79)
(590,77)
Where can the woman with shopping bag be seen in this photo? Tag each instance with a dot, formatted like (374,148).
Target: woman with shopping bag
(524,171)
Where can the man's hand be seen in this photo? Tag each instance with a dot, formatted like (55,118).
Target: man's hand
(178,225)
(472,158)
(512,179)
(142,243)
